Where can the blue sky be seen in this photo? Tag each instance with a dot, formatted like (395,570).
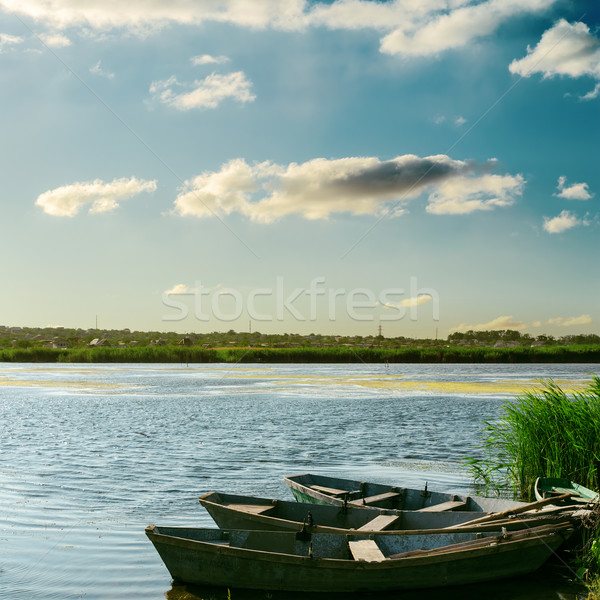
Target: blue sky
(295,166)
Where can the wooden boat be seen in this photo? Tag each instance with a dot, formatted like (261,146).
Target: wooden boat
(231,511)
(321,489)
(548,487)
(304,562)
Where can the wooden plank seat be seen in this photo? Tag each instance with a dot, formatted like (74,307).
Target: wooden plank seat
(366,550)
(376,499)
(329,491)
(379,523)
(445,506)
(255,509)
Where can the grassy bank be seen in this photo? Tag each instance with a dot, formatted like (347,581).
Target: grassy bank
(339,354)
(547,433)
(543,433)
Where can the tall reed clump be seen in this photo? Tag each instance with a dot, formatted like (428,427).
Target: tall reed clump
(542,433)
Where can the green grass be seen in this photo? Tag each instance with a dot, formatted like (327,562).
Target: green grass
(336,354)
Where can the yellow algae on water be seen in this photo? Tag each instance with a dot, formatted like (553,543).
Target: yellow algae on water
(84,386)
(389,383)
(469,387)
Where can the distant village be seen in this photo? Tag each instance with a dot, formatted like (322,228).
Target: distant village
(63,337)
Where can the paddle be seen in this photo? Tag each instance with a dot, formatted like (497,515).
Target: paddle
(512,511)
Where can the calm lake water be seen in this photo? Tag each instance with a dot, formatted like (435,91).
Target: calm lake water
(91,454)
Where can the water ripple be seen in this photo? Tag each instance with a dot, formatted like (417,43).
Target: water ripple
(89,455)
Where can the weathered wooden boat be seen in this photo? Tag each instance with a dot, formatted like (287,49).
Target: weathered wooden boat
(288,561)
(322,489)
(232,511)
(551,487)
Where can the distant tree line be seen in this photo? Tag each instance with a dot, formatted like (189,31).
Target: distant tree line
(61,338)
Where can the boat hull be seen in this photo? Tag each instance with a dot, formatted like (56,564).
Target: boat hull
(311,488)
(232,511)
(547,487)
(213,562)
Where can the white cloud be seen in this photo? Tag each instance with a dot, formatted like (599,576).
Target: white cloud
(571,321)
(409,302)
(576,191)
(566,220)
(504,322)
(140,15)
(416,301)
(207,93)
(207,59)
(55,40)
(68,200)
(441,28)
(98,70)
(316,189)
(179,288)
(184,288)
(9,40)
(408,27)
(566,49)
(592,94)
(463,195)
(458,121)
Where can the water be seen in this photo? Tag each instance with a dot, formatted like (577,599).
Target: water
(89,455)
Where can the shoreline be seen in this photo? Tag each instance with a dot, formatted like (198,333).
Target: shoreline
(337,354)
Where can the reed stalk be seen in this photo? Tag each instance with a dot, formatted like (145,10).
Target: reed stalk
(542,433)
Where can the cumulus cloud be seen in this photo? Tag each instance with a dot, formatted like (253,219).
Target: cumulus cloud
(592,94)
(318,188)
(207,59)
(571,321)
(575,191)
(566,49)
(504,322)
(140,15)
(409,302)
(206,93)
(180,288)
(98,70)
(68,200)
(416,300)
(441,27)
(566,220)
(184,288)
(55,40)
(462,195)
(9,40)
(408,28)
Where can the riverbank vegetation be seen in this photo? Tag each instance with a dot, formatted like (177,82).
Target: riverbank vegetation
(21,344)
(543,433)
(548,433)
(339,354)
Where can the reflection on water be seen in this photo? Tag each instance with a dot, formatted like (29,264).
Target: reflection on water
(89,455)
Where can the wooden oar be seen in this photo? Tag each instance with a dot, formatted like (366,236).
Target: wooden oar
(512,511)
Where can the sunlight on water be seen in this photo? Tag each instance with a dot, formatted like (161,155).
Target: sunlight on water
(89,455)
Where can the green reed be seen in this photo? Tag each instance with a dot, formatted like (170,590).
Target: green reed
(542,433)
(305,354)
